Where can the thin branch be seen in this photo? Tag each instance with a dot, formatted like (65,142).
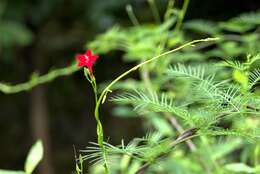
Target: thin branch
(181,17)
(179,128)
(107,89)
(186,135)
(155,11)
(37,80)
(131,15)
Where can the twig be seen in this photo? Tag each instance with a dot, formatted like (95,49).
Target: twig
(131,15)
(154,11)
(186,135)
(178,127)
(181,17)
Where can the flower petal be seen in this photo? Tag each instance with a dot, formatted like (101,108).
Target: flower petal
(86,60)
(88,53)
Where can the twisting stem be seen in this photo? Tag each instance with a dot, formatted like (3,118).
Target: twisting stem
(90,77)
(100,131)
(107,89)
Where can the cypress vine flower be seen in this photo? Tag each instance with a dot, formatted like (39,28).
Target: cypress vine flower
(86,60)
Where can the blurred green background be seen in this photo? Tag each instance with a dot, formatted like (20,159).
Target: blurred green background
(42,35)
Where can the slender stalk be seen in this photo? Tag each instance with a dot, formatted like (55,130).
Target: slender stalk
(131,15)
(179,128)
(256,155)
(146,78)
(107,89)
(181,17)
(90,77)
(187,135)
(169,10)
(154,11)
(94,86)
(100,131)
(189,142)
(37,80)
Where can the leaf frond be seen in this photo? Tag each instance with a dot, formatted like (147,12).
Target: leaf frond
(254,78)
(206,85)
(153,103)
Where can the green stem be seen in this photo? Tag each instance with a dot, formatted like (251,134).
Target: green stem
(131,15)
(107,89)
(154,11)
(90,77)
(94,86)
(169,10)
(37,80)
(146,78)
(256,155)
(183,12)
(100,131)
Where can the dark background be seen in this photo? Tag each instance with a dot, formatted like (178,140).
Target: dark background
(62,111)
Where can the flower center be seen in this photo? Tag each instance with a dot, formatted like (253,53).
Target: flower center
(86,58)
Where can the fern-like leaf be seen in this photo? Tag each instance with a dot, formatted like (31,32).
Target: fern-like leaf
(154,103)
(207,85)
(254,78)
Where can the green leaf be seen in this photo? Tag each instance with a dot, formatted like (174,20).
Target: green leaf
(202,26)
(250,18)
(11,172)
(34,157)
(239,167)
(235,25)
(254,77)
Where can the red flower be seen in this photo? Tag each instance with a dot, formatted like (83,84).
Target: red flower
(86,60)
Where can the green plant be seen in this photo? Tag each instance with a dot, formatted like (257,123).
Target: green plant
(204,94)
(211,96)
